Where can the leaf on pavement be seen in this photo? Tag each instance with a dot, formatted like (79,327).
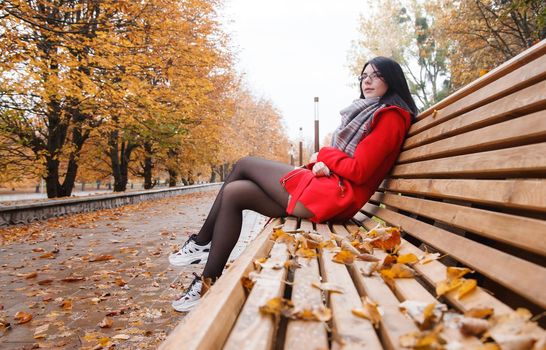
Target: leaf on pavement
(106,323)
(101,258)
(22,317)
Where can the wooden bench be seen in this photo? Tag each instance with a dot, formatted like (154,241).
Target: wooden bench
(470,183)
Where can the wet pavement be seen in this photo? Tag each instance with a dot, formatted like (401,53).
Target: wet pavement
(102,279)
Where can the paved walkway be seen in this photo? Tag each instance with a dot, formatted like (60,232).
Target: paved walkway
(101,279)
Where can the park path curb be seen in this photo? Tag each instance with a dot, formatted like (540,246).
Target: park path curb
(26,213)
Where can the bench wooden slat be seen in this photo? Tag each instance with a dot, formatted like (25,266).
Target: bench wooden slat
(527,160)
(521,194)
(434,272)
(528,129)
(394,323)
(518,231)
(510,68)
(521,102)
(221,304)
(349,331)
(253,329)
(306,334)
(410,286)
(514,273)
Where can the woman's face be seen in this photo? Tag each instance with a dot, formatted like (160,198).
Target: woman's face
(372,82)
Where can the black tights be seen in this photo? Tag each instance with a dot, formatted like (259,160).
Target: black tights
(253,184)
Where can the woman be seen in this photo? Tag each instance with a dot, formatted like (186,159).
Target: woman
(333,187)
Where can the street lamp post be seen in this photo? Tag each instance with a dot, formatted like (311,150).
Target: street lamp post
(301,146)
(317,143)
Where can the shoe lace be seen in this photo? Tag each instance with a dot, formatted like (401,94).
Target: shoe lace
(192,290)
(185,247)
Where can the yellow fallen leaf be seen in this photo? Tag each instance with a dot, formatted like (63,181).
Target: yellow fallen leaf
(344,257)
(428,257)
(327,286)
(368,311)
(470,326)
(120,282)
(479,312)
(22,317)
(367,257)
(66,305)
(104,341)
(388,261)
(367,268)
(363,247)
(446,286)
(40,332)
(407,259)
(468,286)
(292,264)
(346,245)
(457,272)
(106,323)
(329,245)
(489,346)
(277,233)
(422,340)
(321,313)
(388,241)
(524,313)
(426,315)
(28,275)
(306,253)
(121,337)
(258,263)
(248,284)
(277,306)
(101,258)
(398,271)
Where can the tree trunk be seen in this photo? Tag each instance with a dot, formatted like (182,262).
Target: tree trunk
(148,166)
(172,170)
(173,177)
(119,160)
(212,174)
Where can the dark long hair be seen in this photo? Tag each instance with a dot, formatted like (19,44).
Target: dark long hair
(398,93)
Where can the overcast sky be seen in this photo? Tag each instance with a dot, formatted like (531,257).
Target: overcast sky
(292,51)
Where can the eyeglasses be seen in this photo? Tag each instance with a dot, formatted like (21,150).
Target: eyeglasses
(373,76)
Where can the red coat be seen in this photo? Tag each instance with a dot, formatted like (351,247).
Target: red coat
(353,181)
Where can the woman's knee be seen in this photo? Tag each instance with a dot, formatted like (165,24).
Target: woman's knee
(233,192)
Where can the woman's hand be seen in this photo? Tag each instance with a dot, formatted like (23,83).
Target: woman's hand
(313,157)
(320,169)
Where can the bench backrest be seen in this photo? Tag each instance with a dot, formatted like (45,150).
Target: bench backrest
(471,180)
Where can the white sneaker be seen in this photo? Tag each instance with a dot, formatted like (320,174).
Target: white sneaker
(190,253)
(191,296)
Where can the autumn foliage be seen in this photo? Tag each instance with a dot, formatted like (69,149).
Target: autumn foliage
(90,90)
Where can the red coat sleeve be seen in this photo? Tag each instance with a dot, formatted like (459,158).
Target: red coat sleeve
(386,137)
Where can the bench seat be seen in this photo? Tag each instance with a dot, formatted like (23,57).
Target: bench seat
(469,185)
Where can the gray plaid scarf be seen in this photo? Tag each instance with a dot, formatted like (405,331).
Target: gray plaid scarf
(356,120)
